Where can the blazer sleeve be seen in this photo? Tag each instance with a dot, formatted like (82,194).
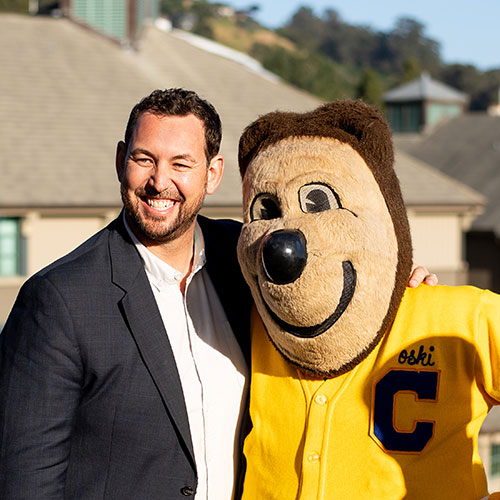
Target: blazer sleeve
(40,377)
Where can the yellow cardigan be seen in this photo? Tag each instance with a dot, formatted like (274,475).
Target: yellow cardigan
(402,424)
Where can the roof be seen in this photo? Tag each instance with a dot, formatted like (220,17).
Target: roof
(65,96)
(466,148)
(423,185)
(66,92)
(424,88)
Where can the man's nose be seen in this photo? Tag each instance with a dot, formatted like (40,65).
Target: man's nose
(160,178)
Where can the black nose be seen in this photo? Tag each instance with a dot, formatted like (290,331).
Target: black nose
(284,256)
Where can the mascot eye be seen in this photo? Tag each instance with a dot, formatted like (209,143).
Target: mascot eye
(318,198)
(265,206)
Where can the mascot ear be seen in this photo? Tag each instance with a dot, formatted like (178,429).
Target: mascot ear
(366,131)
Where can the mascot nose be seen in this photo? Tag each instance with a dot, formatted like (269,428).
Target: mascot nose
(284,256)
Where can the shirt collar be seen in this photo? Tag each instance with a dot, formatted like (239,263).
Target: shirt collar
(158,271)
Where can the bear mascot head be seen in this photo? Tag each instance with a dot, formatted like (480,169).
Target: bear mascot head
(325,245)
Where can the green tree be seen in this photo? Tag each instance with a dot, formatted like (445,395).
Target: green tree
(370,88)
(411,69)
(174,10)
(482,88)
(307,70)
(14,6)
(407,41)
(304,28)
(346,44)
(196,14)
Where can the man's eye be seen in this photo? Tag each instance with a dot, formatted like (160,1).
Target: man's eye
(265,206)
(143,161)
(316,198)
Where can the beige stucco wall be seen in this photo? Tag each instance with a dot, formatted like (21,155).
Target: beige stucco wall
(49,238)
(438,244)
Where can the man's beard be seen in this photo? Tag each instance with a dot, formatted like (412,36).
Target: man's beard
(154,228)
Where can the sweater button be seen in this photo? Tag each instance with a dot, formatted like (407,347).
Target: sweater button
(187,491)
(320,399)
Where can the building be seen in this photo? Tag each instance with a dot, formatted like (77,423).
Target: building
(467,148)
(422,103)
(440,211)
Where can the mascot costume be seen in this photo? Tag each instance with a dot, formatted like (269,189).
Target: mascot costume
(361,388)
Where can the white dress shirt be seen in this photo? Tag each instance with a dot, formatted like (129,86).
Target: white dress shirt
(210,363)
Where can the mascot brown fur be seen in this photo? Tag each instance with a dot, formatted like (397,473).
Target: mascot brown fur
(360,388)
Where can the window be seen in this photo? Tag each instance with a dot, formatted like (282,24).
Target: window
(495,460)
(11,247)
(405,117)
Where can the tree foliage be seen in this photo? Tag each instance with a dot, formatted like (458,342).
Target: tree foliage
(333,58)
(309,71)
(194,16)
(371,88)
(20,6)
(482,88)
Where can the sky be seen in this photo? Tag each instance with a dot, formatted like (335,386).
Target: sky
(468,30)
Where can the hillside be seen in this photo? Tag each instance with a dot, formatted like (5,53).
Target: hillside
(330,58)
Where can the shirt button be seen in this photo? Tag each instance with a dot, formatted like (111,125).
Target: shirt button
(320,399)
(313,457)
(187,491)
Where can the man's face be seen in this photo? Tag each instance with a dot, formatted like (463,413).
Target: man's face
(164,176)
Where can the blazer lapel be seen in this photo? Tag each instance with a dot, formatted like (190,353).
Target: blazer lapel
(221,238)
(145,323)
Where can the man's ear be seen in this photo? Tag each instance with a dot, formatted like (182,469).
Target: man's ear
(215,172)
(121,152)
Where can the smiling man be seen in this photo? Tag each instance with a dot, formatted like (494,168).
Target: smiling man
(122,371)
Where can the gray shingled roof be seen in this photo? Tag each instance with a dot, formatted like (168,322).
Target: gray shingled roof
(423,185)
(65,96)
(466,148)
(422,89)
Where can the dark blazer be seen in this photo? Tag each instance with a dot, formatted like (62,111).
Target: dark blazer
(91,405)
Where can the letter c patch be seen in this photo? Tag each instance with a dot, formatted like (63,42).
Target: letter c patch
(425,386)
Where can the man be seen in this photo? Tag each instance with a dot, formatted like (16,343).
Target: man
(121,373)
(122,370)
